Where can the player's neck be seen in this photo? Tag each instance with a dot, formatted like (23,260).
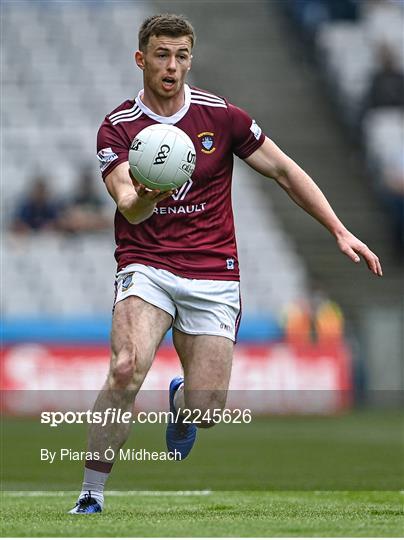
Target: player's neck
(163,107)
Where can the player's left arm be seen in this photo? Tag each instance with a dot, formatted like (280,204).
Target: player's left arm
(270,161)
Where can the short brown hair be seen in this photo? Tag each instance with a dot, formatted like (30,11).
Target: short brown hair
(165,25)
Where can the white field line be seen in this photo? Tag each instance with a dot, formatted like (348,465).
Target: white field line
(136,493)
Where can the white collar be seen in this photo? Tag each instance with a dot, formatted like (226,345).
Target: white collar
(166,119)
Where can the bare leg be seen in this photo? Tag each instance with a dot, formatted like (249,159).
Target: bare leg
(137,331)
(207,362)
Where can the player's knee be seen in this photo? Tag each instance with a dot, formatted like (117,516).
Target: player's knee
(207,407)
(121,375)
(209,417)
(206,424)
(123,371)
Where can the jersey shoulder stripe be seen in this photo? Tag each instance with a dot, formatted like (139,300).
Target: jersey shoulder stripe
(208,103)
(128,118)
(124,112)
(211,97)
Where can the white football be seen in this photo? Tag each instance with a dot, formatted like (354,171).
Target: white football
(162,157)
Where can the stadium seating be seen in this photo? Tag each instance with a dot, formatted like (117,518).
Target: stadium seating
(349,72)
(62,72)
(349,53)
(384,135)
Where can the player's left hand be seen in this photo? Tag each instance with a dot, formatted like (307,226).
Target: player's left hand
(353,247)
(149,195)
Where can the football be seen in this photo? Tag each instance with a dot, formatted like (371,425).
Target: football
(162,157)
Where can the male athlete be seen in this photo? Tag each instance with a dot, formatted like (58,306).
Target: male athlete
(176,252)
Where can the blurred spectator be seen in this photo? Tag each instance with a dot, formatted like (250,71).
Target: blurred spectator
(393,194)
(86,211)
(316,319)
(386,87)
(383,23)
(38,211)
(329,322)
(310,14)
(297,322)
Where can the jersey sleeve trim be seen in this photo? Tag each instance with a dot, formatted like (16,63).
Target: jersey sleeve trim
(112,166)
(253,146)
(112,149)
(252,135)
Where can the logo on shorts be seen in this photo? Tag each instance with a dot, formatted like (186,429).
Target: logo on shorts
(226,327)
(127,282)
(207,142)
(230,264)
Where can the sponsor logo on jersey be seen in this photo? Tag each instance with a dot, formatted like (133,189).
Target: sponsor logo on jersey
(255,129)
(230,264)
(181,192)
(207,142)
(188,209)
(127,282)
(105,156)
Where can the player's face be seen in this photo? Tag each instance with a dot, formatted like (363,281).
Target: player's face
(165,64)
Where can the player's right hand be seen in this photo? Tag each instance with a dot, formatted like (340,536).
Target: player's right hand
(149,195)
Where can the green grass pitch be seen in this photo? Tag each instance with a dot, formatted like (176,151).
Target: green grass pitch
(291,476)
(221,514)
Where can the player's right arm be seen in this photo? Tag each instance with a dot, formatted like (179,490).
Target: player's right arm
(134,201)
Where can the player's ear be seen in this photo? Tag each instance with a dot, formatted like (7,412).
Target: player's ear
(139,59)
(190,63)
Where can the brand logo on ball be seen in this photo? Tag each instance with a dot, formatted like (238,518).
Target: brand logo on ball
(136,144)
(189,166)
(207,142)
(162,154)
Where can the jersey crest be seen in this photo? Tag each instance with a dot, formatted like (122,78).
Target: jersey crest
(207,142)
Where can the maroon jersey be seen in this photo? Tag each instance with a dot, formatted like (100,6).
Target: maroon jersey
(191,234)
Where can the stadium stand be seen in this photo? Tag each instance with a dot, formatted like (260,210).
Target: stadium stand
(62,73)
(351,74)
(363,60)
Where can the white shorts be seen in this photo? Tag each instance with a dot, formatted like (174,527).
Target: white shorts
(197,306)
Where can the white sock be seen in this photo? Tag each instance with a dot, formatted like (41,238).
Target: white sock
(94,481)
